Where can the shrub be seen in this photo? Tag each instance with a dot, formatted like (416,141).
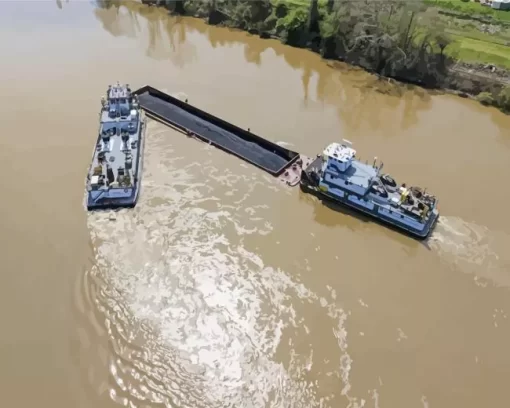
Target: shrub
(485,98)
(503,99)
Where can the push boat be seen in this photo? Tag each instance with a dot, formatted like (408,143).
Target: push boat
(339,176)
(114,176)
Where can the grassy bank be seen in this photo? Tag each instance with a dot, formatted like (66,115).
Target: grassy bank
(479,33)
(471,9)
(472,41)
(413,42)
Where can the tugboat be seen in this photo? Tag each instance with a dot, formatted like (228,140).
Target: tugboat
(114,177)
(337,175)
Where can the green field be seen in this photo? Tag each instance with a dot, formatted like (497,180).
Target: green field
(469,44)
(472,50)
(471,8)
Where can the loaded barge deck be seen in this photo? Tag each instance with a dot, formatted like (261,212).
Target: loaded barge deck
(268,156)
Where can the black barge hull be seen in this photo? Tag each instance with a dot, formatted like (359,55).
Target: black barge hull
(254,149)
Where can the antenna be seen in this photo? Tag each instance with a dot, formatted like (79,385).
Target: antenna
(375,161)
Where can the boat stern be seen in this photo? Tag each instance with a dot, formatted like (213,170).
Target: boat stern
(112,198)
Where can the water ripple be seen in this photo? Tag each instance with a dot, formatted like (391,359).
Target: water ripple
(474,249)
(194,317)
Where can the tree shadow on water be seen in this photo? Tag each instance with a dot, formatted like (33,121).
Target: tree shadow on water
(360,99)
(165,35)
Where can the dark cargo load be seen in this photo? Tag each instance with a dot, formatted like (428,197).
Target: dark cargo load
(254,149)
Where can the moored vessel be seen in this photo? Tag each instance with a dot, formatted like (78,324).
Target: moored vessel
(337,175)
(114,177)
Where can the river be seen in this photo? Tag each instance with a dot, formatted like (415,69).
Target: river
(223,287)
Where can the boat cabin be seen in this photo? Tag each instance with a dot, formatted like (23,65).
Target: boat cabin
(339,155)
(340,169)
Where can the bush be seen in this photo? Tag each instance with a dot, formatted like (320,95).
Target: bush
(503,99)
(485,98)
(281,10)
(295,20)
(270,23)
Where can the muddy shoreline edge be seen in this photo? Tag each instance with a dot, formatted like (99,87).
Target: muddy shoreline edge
(487,84)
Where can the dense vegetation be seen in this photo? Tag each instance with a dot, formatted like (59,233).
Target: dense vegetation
(406,40)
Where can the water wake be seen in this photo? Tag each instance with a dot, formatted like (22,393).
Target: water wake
(194,317)
(474,249)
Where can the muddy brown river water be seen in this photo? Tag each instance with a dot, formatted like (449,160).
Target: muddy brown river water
(224,288)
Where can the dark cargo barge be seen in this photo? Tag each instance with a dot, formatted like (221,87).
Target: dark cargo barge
(268,156)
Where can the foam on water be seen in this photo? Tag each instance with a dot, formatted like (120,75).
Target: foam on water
(474,249)
(194,317)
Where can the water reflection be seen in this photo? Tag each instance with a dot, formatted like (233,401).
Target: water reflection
(349,90)
(59,4)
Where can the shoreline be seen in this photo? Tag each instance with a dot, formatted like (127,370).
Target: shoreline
(485,83)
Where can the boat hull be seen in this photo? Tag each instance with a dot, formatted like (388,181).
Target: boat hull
(309,188)
(113,203)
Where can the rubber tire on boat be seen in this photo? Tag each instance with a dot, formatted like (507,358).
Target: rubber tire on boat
(388,180)
(315,178)
(417,192)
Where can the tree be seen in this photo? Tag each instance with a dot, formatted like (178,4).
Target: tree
(313,17)
(179,7)
(330,5)
(503,99)
(442,41)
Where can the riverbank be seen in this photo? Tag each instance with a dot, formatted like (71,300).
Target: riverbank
(409,43)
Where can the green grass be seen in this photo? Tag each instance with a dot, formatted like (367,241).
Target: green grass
(472,45)
(471,8)
(473,50)
(469,43)
(502,38)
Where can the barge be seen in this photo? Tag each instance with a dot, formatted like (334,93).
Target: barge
(114,176)
(338,176)
(278,161)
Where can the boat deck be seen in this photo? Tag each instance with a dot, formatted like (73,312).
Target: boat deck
(314,166)
(357,173)
(116,150)
(114,173)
